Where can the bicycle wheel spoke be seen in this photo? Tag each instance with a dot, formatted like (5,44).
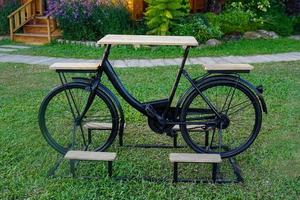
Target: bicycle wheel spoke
(240,109)
(212,138)
(230,101)
(82,135)
(226,99)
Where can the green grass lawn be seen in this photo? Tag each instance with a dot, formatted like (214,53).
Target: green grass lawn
(242,47)
(271,167)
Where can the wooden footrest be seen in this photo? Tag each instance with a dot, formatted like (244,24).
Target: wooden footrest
(98,126)
(176,158)
(228,68)
(89,155)
(192,128)
(195,158)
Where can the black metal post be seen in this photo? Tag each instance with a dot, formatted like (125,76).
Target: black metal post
(89,136)
(175,140)
(214,172)
(72,167)
(206,139)
(175,172)
(175,85)
(109,167)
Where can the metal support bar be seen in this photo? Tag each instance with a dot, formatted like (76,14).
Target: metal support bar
(175,141)
(175,172)
(109,168)
(214,172)
(52,171)
(72,167)
(89,136)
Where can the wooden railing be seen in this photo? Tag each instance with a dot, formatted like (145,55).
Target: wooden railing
(50,29)
(21,16)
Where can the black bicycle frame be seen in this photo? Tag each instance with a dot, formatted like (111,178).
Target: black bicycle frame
(107,68)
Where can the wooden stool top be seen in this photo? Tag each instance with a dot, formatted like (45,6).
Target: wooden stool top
(195,158)
(228,67)
(75,66)
(90,155)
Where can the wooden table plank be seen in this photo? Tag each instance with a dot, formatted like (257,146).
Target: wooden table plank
(149,40)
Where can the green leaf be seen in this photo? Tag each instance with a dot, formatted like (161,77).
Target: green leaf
(168,14)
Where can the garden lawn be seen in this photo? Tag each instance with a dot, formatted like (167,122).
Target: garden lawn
(242,47)
(271,167)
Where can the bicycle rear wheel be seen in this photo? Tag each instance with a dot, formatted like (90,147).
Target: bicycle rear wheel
(59,114)
(240,109)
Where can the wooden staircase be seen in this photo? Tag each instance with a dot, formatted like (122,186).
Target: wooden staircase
(29,24)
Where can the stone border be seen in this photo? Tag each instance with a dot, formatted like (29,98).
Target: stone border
(82,43)
(4,37)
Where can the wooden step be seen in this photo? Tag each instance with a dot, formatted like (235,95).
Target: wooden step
(35,28)
(30,38)
(99,126)
(90,155)
(43,20)
(213,159)
(194,158)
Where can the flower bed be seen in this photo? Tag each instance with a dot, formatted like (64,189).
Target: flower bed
(90,19)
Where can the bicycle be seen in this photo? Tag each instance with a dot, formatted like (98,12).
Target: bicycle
(220,112)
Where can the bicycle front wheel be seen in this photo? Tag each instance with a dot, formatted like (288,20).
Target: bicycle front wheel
(240,110)
(63,130)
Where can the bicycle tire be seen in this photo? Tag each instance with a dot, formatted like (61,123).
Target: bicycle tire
(100,95)
(216,83)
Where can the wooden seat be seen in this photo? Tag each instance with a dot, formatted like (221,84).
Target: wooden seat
(90,155)
(148,40)
(99,126)
(213,159)
(228,68)
(194,158)
(75,66)
(192,128)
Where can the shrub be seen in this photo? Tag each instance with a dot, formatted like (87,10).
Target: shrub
(234,20)
(296,24)
(279,23)
(198,27)
(256,6)
(5,10)
(139,27)
(90,19)
(161,15)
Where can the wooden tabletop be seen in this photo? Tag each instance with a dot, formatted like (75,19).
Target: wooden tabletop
(149,40)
